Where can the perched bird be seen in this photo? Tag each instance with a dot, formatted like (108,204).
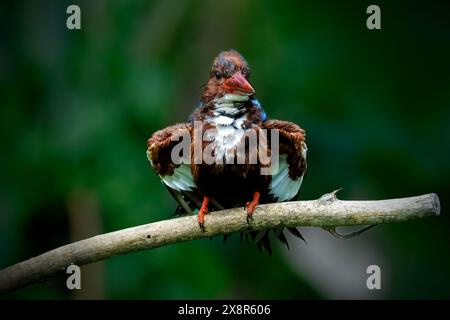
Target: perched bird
(222,168)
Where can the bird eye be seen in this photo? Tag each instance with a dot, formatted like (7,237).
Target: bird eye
(218,75)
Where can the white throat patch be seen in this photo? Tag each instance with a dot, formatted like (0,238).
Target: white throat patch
(230,130)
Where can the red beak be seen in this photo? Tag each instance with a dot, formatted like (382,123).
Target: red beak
(238,83)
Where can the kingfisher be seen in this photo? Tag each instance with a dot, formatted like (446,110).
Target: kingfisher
(233,158)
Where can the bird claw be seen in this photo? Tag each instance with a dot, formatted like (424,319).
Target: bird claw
(201,213)
(249,208)
(201,219)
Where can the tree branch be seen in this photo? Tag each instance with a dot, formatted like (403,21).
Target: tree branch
(327,212)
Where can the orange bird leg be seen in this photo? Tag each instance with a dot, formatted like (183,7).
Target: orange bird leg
(250,206)
(201,213)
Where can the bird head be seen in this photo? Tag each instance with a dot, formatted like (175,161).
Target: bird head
(229,75)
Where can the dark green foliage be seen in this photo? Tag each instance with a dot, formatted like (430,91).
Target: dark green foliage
(78,106)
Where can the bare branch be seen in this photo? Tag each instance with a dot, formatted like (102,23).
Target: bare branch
(327,212)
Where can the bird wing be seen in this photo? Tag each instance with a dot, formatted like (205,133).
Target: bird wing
(175,173)
(288,177)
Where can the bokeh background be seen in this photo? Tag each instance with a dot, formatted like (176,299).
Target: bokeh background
(76,109)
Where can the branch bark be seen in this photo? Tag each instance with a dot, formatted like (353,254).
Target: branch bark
(327,212)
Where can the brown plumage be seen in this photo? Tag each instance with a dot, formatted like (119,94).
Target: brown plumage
(228,117)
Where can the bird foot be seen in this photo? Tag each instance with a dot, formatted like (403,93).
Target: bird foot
(251,206)
(201,214)
(201,218)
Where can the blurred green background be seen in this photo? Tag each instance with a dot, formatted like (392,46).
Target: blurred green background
(78,106)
